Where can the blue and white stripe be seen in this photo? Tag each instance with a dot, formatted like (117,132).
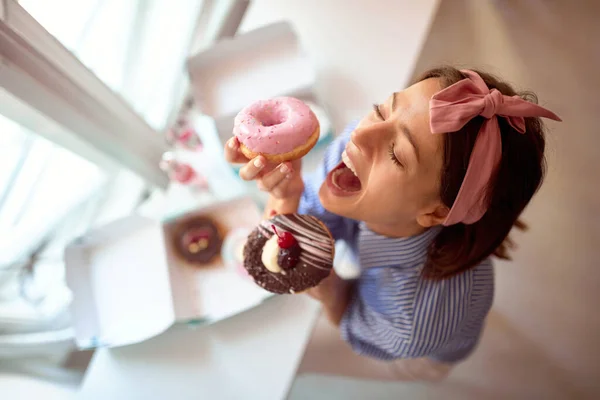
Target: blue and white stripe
(395,312)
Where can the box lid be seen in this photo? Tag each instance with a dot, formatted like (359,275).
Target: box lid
(120,282)
(259,64)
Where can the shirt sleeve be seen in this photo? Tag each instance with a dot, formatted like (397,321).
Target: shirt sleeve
(395,314)
(340,227)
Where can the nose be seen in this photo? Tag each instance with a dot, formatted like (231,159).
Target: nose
(367,137)
(361,135)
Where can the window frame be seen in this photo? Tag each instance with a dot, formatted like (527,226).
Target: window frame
(46,86)
(39,71)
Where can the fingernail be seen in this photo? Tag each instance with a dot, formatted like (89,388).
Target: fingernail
(288,176)
(231,144)
(284,168)
(258,163)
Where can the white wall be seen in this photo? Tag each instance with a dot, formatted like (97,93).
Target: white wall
(363,50)
(544,335)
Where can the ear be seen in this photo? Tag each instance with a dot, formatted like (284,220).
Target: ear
(434,217)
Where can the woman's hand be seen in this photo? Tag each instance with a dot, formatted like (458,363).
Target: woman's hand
(282,181)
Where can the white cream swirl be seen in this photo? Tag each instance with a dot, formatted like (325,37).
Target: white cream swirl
(312,237)
(270,254)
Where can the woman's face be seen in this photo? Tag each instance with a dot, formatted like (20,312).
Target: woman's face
(392,166)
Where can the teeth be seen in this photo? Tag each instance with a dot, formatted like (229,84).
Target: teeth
(348,163)
(334,177)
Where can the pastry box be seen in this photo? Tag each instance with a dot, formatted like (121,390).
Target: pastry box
(263,63)
(130,282)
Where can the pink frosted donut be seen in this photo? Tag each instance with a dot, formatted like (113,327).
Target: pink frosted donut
(280,129)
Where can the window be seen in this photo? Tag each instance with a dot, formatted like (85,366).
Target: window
(39,183)
(136,47)
(48,195)
(86,88)
(55,183)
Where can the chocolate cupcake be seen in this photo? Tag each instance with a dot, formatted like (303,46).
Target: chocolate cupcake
(289,253)
(197,240)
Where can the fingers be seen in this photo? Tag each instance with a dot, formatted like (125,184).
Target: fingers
(275,182)
(270,178)
(253,168)
(233,154)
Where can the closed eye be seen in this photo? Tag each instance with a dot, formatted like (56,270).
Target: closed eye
(378,112)
(393,156)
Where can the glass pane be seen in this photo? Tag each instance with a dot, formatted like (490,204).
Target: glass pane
(40,182)
(48,196)
(137,47)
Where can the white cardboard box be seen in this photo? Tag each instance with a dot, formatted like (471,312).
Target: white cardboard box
(129,285)
(263,63)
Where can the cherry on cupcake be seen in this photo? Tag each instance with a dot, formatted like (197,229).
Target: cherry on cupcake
(285,240)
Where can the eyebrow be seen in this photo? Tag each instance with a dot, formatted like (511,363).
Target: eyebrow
(394,101)
(405,129)
(410,138)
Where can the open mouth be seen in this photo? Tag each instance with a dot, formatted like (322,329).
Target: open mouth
(342,180)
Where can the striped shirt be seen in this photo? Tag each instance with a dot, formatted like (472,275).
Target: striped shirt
(395,312)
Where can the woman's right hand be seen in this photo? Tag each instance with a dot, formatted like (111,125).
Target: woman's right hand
(282,181)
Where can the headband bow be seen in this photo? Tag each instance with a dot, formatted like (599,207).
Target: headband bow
(451,108)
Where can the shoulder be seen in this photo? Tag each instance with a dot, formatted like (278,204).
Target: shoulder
(396,313)
(482,291)
(333,155)
(348,130)
(453,303)
(461,290)
(424,308)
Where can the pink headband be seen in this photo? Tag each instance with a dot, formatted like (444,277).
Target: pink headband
(451,108)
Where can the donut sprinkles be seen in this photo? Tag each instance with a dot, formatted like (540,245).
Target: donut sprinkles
(279,129)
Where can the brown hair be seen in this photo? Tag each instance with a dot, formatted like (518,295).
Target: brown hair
(460,247)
